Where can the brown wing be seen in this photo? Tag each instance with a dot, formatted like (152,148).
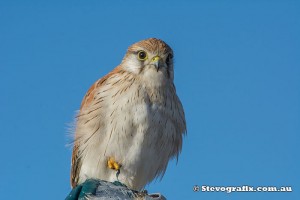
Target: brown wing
(87,100)
(76,161)
(76,165)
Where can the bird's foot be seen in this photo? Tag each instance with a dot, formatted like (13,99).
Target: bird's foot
(112,164)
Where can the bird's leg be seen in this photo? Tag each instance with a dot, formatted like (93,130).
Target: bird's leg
(112,164)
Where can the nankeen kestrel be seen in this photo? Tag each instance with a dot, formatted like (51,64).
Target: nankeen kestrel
(131,122)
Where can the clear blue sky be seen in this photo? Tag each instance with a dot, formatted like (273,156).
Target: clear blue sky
(237,73)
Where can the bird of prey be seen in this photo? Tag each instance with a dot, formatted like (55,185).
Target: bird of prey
(131,121)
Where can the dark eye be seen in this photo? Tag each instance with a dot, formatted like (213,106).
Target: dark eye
(142,55)
(169,59)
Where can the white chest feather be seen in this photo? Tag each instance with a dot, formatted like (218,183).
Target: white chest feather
(141,128)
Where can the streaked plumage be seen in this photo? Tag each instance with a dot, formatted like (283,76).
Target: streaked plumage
(133,115)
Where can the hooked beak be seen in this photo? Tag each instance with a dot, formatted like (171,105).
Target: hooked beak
(157,62)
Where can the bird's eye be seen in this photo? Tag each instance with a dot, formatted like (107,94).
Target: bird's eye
(142,55)
(169,58)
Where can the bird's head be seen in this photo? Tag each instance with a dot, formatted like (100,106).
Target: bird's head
(150,58)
